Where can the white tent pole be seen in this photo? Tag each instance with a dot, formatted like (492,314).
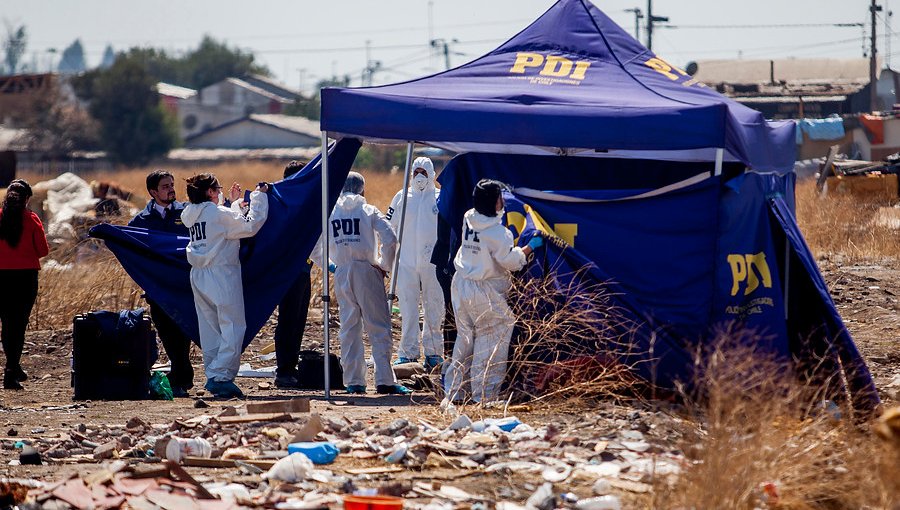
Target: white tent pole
(408,170)
(326,276)
(720,155)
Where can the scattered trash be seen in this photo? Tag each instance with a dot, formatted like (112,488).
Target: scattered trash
(293,468)
(600,503)
(178,448)
(318,452)
(397,454)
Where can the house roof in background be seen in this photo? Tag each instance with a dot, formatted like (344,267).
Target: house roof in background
(167,89)
(831,70)
(299,125)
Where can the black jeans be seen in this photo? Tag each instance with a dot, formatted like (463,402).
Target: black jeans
(20,288)
(177,346)
(292,313)
(445,279)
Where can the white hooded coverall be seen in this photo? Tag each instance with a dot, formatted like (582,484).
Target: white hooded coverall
(216,232)
(416,279)
(484,320)
(359,285)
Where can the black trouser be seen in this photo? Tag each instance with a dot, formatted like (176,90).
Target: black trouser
(292,313)
(177,346)
(446,279)
(20,287)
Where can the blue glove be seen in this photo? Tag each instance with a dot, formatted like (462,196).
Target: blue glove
(535,242)
(331,267)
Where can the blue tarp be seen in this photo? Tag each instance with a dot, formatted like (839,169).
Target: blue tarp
(571,79)
(270,262)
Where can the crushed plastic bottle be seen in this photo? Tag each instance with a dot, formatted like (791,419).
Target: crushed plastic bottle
(397,454)
(607,502)
(320,452)
(160,389)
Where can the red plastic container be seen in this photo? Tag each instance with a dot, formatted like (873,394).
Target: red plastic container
(372,503)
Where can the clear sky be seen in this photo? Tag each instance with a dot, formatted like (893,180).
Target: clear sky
(307,40)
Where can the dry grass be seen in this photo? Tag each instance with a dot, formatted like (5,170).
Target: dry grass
(843,225)
(759,438)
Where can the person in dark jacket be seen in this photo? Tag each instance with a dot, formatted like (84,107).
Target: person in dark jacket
(163,213)
(22,244)
(292,313)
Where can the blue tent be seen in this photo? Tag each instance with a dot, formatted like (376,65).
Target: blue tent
(680,196)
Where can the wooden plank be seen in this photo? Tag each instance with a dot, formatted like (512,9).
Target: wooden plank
(374,470)
(294,405)
(828,168)
(224,463)
(247,418)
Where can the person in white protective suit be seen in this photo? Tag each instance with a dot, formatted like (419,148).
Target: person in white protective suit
(417,282)
(216,232)
(357,228)
(484,320)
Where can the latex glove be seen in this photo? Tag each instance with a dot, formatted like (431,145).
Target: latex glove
(332,267)
(535,242)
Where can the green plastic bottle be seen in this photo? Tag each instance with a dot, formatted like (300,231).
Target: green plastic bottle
(160,389)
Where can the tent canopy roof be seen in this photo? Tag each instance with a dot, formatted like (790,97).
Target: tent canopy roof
(571,82)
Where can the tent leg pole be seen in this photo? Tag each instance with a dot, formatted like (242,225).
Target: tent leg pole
(407,170)
(787,274)
(720,155)
(326,234)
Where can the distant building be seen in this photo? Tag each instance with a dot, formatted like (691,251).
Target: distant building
(229,100)
(798,88)
(170,95)
(19,91)
(259,131)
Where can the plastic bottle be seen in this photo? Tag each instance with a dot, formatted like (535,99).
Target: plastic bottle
(179,448)
(607,502)
(397,454)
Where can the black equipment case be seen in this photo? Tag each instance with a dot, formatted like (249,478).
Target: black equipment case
(312,371)
(112,353)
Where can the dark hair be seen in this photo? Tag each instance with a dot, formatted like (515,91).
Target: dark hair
(485,195)
(156,176)
(13,212)
(198,185)
(292,168)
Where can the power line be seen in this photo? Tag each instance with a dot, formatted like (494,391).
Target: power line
(766,26)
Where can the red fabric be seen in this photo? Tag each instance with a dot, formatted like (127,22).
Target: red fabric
(874,125)
(33,245)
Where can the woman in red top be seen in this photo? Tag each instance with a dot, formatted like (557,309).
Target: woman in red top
(22,244)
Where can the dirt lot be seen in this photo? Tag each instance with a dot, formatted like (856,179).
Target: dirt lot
(865,287)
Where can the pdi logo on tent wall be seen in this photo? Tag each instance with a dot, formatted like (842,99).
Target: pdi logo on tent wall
(749,270)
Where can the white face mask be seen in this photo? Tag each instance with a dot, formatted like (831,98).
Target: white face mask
(420,181)
(221,200)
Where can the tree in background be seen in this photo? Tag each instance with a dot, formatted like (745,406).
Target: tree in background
(72,60)
(109,56)
(213,61)
(311,107)
(14,47)
(134,126)
(57,126)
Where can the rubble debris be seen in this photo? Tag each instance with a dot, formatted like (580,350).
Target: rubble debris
(255,461)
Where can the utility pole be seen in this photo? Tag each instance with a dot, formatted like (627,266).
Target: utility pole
(651,19)
(638,16)
(444,46)
(873,65)
(371,66)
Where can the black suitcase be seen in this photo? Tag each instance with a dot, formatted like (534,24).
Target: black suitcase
(112,353)
(312,371)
